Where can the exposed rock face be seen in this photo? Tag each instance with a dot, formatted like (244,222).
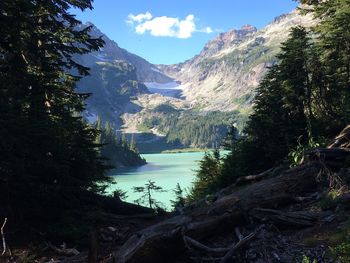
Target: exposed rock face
(225,73)
(146,72)
(226,40)
(113,86)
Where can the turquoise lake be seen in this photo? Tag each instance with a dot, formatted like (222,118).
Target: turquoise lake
(165,169)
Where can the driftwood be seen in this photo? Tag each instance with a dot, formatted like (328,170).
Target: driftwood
(158,242)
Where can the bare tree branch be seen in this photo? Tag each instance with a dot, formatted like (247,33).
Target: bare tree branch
(4,246)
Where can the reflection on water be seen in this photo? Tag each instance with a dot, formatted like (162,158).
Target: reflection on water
(149,167)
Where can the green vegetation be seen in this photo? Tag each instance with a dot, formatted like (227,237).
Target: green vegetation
(179,197)
(328,201)
(336,239)
(192,128)
(146,197)
(209,170)
(339,242)
(116,149)
(244,98)
(306,259)
(303,101)
(164,108)
(48,155)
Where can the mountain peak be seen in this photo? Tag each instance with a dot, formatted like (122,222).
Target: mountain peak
(248,27)
(226,39)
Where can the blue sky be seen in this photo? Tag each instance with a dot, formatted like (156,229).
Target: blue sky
(171,31)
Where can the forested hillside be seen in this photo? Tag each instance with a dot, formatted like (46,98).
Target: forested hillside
(116,149)
(302,102)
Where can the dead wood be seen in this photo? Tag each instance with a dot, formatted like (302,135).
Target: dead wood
(158,242)
(286,218)
(4,246)
(253,178)
(334,158)
(63,250)
(342,140)
(242,241)
(192,243)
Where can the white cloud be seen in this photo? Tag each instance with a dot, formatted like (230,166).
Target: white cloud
(139,18)
(164,26)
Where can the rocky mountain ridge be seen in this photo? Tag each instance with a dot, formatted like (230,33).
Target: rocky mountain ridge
(225,73)
(146,72)
(222,78)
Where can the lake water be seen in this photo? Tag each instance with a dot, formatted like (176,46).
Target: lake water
(165,169)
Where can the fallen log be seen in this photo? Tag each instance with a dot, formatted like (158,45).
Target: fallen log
(158,242)
(331,157)
(253,178)
(286,218)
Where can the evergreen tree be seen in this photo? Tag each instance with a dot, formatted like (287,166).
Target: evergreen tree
(332,53)
(282,111)
(133,146)
(47,152)
(125,142)
(206,176)
(147,194)
(230,139)
(116,151)
(179,197)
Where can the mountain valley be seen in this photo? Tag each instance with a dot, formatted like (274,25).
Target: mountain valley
(156,103)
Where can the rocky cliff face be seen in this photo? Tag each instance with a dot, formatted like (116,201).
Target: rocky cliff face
(146,72)
(225,73)
(113,86)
